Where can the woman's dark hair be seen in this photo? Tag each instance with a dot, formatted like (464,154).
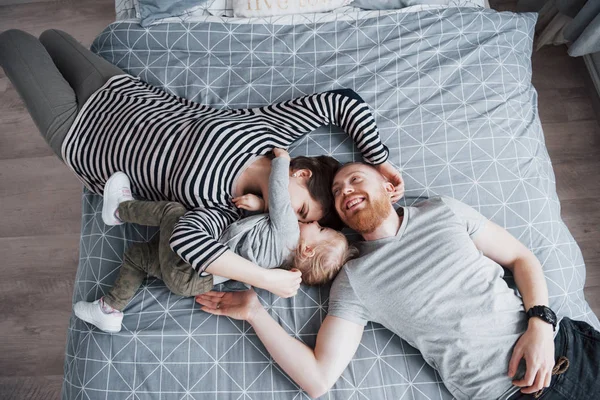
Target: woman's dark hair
(323,170)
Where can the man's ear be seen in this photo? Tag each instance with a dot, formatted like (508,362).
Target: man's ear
(394,193)
(389,188)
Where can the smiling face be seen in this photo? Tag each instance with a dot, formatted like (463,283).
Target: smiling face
(362,197)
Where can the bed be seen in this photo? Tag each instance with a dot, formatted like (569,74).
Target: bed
(451,91)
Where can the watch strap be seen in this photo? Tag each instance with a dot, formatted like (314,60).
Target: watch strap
(544,313)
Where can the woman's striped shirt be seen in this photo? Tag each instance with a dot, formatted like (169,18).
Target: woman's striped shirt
(178,150)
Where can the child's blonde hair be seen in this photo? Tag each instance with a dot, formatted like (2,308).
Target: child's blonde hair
(325,263)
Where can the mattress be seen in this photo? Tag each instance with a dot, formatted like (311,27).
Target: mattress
(451,92)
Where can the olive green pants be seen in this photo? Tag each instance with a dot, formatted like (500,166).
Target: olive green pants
(155,258)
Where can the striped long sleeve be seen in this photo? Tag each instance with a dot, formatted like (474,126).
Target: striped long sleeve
(177,150)
(344,108)
(195,237)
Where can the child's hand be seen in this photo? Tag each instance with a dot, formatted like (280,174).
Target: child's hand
(249,202)
(281,153)
(282,283)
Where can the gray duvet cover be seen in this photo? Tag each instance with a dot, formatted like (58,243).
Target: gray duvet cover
(451,92)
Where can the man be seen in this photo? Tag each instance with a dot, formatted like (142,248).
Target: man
(431,274)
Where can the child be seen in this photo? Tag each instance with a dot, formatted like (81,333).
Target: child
(269,240)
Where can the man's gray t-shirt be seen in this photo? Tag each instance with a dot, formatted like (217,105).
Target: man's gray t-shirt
(431,286)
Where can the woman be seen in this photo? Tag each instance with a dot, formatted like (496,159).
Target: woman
(99,120)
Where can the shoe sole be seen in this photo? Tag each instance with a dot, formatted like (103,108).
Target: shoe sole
(92,321)
(108,219)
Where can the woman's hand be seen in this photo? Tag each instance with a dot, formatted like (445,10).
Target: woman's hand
(393,176)
(281,153)
(249,202)
(237,305)
(281,282)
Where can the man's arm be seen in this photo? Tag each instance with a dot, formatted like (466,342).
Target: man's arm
(499,245)
(537,343)
(316,370)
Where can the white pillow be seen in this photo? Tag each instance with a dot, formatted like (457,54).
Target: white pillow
(268,8)
(220,8)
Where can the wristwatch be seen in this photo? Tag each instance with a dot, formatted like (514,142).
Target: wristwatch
(544,313)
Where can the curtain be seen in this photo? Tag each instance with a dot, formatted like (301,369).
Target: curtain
(562,21)
(584,30)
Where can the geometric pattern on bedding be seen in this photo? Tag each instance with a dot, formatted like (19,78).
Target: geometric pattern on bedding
(451,92)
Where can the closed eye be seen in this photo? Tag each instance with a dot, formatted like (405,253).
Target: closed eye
(304,212)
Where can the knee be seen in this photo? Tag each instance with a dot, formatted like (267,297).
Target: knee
(50,35)
(175,210)
(136,255)
(174,284)
(15,39)
(15,34)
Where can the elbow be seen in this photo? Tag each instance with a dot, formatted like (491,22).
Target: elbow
(313,394)
(525,260)
(317,390)
(348,93)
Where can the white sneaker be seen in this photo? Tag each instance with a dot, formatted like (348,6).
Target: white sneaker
(116,190)
(92,314)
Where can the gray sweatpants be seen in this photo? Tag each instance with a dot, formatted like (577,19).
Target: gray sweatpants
(54,76)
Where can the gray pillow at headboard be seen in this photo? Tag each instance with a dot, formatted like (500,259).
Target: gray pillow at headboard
(153,10)
(394,4)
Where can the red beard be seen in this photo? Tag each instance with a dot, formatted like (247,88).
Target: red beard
(371,216)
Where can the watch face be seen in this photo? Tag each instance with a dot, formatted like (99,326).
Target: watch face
(545,313)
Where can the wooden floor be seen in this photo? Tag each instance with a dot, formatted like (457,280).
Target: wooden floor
(40,199)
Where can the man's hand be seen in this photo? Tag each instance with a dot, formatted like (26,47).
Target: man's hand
(536,346)
(237,305)
(249,202)
(393,176)
(281,282)
(281,153)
